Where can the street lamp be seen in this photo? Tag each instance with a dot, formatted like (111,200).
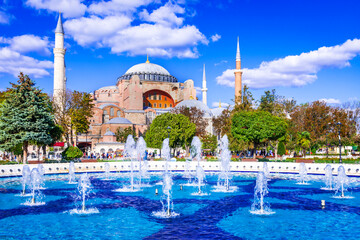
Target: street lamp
(339,124)
(326,135)
(86,146)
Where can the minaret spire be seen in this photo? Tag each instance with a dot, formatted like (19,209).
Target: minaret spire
(59,26)
(238,75)
(59,66)
(238,51)
(204,89)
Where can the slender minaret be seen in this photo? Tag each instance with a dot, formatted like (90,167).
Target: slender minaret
(238,75)
(204,89)
(59,65)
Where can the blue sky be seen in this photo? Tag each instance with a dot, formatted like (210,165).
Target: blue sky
(305,49)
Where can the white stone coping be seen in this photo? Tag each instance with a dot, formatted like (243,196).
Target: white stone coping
(125,166)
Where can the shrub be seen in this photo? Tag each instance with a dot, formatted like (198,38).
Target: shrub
(281,148)
(71,153)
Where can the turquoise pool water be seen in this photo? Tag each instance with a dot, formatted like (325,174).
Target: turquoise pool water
(218,215)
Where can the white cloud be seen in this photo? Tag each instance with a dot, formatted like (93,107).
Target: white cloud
(221,62)
(13,62)
(114,7)
(216,104)
(165,15)
(29,43)
(4,18)
(69,8)
(330,100)
(93,29)
(157,40)
(114,24)
(297,70)
(215,37)
(198,91)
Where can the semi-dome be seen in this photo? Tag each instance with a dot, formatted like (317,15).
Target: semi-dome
(109,133)
(149,72)
(119,120)
(196,103)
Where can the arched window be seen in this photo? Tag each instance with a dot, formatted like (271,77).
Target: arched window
(111,112)
(165,105)
(154,105)
(159,105)
(170,105)
(118,113)
(105,112)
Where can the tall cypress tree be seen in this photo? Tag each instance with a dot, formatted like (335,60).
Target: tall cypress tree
(25,117)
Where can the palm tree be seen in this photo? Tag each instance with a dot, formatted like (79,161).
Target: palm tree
(304,141)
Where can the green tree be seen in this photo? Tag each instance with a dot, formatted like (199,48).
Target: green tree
(247,100)
(267,101)
(257,127)
(304,141)
(75,116)
(71,153)
(25,117)
(122,133)
(81,112)
(281,148)
(209,142)
(181,132)
(196,116)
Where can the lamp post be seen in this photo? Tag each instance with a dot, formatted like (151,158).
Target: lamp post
(86,146)
(326,137)
(168,129)
(339,124)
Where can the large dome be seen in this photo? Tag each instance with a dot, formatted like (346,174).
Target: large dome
(147,68)
(149,72)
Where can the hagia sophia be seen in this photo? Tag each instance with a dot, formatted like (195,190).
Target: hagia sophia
(144,91)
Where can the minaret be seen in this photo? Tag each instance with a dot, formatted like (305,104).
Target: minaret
(204,89)
(59,65)
(238,75)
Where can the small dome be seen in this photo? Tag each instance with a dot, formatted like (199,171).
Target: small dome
(108,88)
(198,104)
(147,68)
(217,111)
(109,133)
(119,120)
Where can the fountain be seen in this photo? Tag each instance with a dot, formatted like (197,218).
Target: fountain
(259,206)
(72,178)
(200,173)
(25,180)
(165,154)
(266,171)
(107,171)
(35,186)
(42,175)
(166,200)
(342,183)
(223,184)
(328,178)
(83,192)
(302,174)
(130,152)
(140,152)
